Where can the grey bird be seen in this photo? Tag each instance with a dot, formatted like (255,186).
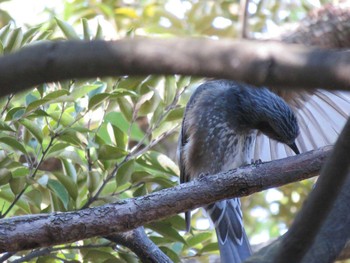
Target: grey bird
(218,132)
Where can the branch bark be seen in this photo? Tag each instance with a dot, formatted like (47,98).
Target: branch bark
(322,216)
(32,231)
(255,62)
(303,231)
(141,245)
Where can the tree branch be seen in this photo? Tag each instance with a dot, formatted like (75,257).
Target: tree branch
(307,223)
(141,245)
(32,231)
(253,62)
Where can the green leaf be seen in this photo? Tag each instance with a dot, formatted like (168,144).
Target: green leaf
(94,180)
(69,184)
(4,33)
(15,112)
(99,32)
(69,169)
(175,115)
(56,94)
(65,119)
(124,172)
(5,176)
(210,247)
(60,191)
(14,40)
(117,136)
(5,127)
(125,107)
(86,29)
(12,142)
(199,238)
(17,184)
(166,230)
(28,35)
(150,105)
(109,152)
(118,120)
(1,48)
(82,91)
(34,197)
(158,161)
(33,129)
(9,196)
(97,99)
(57,147)
(123,92)
(67,29)
(170,89)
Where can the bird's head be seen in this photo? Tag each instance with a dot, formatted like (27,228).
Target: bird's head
(280,123)
(271,115)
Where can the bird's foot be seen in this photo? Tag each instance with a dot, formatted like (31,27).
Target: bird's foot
(202,175)
(256,162)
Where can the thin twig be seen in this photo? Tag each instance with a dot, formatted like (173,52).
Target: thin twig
(9,98)
(243,18)
(31,176)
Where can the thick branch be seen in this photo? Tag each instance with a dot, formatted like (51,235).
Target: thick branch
(255,62)
(320,201)
(32,231)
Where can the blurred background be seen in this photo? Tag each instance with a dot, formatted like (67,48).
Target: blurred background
(60,142)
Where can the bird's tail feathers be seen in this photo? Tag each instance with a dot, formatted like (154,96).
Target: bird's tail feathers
(233,242)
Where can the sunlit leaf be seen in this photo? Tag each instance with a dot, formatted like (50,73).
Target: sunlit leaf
(199,238)
(124,172)
(5,176)
(67,29)
(167,230)
(93,180)
(60,191)
(33,129)
(86,29)
(5,127)
(17,184)
(109,152)
(29,34)
(14,40)
(126,11)
(14,113)
(125,107)
(12,142)
(97,99)
(69,184)
(210,247)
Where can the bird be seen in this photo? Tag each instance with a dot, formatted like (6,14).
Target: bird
(218,132)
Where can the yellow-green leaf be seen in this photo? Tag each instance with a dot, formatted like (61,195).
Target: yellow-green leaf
(33,129)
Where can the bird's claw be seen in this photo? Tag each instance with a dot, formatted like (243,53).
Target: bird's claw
(256,162)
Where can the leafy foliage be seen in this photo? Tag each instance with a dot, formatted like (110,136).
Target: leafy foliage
(79,143)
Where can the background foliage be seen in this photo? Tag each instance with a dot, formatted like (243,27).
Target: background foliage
(80,143)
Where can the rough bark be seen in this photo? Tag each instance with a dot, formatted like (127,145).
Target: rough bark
(141,245)
(255,62)
(32,231)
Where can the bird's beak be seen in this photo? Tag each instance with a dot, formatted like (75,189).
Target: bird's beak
(294,147)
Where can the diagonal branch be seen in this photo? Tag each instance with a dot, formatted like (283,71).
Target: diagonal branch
(32,231)
(302,233)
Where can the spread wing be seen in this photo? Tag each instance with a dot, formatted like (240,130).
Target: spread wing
(321,115)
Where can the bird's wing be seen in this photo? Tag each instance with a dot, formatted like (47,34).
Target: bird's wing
(183,140)
(321,115)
